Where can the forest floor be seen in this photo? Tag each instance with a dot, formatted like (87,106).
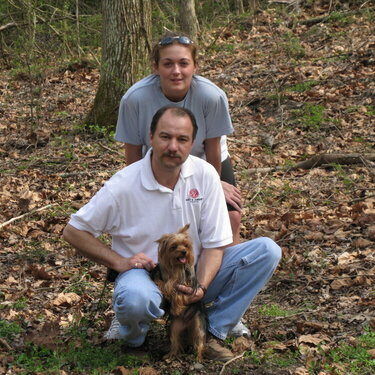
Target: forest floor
(296,89)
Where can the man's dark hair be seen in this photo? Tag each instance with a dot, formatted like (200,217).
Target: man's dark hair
(177,111)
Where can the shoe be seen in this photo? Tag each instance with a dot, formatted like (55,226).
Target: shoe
(239,330)
(114,330)
(216,351)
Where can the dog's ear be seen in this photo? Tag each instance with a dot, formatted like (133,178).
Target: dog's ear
(184,229)
(162,238)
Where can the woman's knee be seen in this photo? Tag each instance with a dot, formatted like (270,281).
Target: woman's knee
(235,218)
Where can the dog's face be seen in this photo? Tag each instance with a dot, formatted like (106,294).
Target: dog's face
(176,250)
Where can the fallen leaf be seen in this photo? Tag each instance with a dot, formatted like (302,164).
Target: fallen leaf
(39,273)
(371,353)
(301,371)
(341,283)
(242,344)
(371,232)
(147,371)
(121,370)
(362,243)
(315,339)
(66,299)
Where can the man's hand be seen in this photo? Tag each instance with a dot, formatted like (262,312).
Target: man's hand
(232,195)
(189,292)
(139,260)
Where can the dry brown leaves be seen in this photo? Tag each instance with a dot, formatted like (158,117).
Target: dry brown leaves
(323,217)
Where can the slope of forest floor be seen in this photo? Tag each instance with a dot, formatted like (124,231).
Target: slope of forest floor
(297,89)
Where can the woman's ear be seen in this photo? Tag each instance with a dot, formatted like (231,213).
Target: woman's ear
(155,68)
(196,68)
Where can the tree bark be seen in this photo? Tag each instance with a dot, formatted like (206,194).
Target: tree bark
(188,19)
(238,6)
(126,30)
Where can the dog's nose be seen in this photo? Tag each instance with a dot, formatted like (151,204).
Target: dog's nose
(183,253)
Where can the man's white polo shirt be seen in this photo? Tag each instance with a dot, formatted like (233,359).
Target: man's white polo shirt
(136,210)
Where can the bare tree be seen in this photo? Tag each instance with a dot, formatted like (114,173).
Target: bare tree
(238,6)
(188,19)
(126,47)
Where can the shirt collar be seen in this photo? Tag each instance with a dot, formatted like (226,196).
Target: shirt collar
(147,176)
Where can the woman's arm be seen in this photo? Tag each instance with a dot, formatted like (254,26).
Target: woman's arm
(133,153)
(213,152)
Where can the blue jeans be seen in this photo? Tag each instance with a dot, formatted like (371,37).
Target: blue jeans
(245,270)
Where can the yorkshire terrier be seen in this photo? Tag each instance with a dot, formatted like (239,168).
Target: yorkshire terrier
(176,266)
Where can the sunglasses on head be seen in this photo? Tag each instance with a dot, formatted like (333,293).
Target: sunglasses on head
(180,39)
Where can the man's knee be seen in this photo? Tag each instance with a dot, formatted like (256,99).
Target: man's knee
(135,303)
(271,249)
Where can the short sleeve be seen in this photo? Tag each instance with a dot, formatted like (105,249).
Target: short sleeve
(127,128)
(98,215)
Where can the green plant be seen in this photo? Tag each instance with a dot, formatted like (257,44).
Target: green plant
(303,86)
(345,178)
(9,330)
(340,18)
(20,304)
(370,111)
(292,46)
(95,130)
(80,357)
(273,310)
(354,358)
(276,359)
(311,116)
(33,253)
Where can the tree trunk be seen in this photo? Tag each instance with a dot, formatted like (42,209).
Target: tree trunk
(188,19)
(238,6)
(126,31)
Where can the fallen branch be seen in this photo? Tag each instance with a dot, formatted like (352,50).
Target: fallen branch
(329,17)
(5,344)
(26,214)
(318,160)
(7,26)
(230,361)
(361,199)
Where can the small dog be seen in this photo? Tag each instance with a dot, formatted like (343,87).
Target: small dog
(176,266)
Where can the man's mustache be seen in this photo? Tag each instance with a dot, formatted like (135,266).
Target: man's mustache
(172,155)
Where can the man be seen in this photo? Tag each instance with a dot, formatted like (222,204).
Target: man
(159,194)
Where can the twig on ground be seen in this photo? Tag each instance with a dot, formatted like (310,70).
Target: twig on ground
(5,344)
(362,198)
(110,149)
(319,160)
(26,214)
(230,361)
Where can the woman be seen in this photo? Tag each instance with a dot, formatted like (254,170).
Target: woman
(174,82)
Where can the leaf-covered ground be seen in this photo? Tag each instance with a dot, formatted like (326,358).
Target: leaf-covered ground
(296,90)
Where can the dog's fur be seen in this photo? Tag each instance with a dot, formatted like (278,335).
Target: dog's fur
(176,266)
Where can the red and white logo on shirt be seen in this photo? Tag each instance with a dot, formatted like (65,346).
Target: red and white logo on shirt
(193,193)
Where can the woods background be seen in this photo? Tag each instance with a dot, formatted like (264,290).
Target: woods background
(299,76)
